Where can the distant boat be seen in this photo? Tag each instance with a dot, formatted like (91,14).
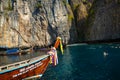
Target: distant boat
(33,67)
(15,52)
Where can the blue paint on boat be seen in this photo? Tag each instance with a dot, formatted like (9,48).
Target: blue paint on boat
(12,51)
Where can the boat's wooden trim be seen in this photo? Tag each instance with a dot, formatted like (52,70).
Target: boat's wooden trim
(14,66)
(35,66)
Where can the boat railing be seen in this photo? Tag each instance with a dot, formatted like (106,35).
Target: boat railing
(21,63)
(10,66)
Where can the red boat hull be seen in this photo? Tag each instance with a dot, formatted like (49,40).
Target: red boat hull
(27,71)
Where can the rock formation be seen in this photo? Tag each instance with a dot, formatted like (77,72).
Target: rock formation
(38,22)
(97,19)
(104,20)
(25,23)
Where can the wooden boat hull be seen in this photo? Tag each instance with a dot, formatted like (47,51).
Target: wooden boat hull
(36,68)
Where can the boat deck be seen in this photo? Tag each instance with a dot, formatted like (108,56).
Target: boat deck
(4,60)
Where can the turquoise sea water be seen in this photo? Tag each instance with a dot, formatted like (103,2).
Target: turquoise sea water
(86,62)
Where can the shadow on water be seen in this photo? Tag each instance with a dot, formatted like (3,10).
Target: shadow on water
(87,62)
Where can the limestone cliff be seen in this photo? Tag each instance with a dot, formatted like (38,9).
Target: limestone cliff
(97,19)
(39,22)
(34,23)
(104,20)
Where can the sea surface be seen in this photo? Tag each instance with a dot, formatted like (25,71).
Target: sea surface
(86,62)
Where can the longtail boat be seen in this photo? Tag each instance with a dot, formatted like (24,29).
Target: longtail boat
(20,68)
(15,52)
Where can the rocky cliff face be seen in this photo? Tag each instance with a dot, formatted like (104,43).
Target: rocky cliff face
(39,22)
(34,22)
(97,19)
(104,20)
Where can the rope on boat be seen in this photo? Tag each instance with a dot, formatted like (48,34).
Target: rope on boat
(53,52)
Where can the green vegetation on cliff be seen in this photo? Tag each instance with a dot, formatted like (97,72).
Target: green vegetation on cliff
(38,5)
(9,7)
